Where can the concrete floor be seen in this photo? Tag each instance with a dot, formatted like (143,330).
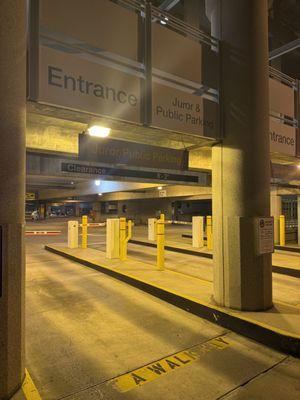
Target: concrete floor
(85,330)
(285,288)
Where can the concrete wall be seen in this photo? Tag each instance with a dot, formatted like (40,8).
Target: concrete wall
(141,210)
(52,134)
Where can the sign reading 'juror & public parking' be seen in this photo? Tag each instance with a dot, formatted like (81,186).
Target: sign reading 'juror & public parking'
(120,152)
(179,111)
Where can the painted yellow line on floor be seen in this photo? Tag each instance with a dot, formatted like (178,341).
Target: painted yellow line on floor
(29,389)
(160,368)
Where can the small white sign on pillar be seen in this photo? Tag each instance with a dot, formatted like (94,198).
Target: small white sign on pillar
(72,234)
(265,235)
(113,238)
(198,230)
(151,229)
(162,193)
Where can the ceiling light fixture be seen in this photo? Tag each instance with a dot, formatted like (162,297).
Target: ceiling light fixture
(99,131)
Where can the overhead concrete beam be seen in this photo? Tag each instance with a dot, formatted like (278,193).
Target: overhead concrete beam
(90,188)
(179,192)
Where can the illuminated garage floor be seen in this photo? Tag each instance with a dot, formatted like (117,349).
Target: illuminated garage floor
(92,337)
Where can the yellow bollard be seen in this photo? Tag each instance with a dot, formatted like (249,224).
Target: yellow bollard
(209,232)
(160,236)
(84,223)
(282,230)
(128,237)
(123,244)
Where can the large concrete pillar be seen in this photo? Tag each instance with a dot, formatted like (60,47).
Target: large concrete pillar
(97,211)
(77,210)
(12,193)
(275,204)
(241,163)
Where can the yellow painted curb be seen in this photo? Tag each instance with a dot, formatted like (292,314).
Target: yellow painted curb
(29,389)
(232,313)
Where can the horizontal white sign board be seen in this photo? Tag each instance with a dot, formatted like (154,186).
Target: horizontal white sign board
(282,98)
(94,24)
(179,111)
(69,81)
(282,138)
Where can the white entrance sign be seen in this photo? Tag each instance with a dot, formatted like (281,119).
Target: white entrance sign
(72,82)
(265,235)
(282,138)
(90,61)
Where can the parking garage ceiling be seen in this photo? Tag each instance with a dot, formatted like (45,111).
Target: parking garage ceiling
(284,27)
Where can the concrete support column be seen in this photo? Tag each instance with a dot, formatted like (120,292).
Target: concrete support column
(275,203)
(77,210)
(241,163)
(12,193)
(42,211)
(48,210)
(97,211)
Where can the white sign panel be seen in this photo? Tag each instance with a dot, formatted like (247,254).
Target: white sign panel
(265,235)
(282,98)
(282,138)
(162,193)
(72,82)
(176,110)
(176,55)
(92,24)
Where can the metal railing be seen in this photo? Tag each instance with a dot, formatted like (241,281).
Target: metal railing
(280,76)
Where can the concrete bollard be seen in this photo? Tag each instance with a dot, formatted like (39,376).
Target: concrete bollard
(151,229)
(125,236)
(197,232)
(72,234)
(209,232)
(113,238)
